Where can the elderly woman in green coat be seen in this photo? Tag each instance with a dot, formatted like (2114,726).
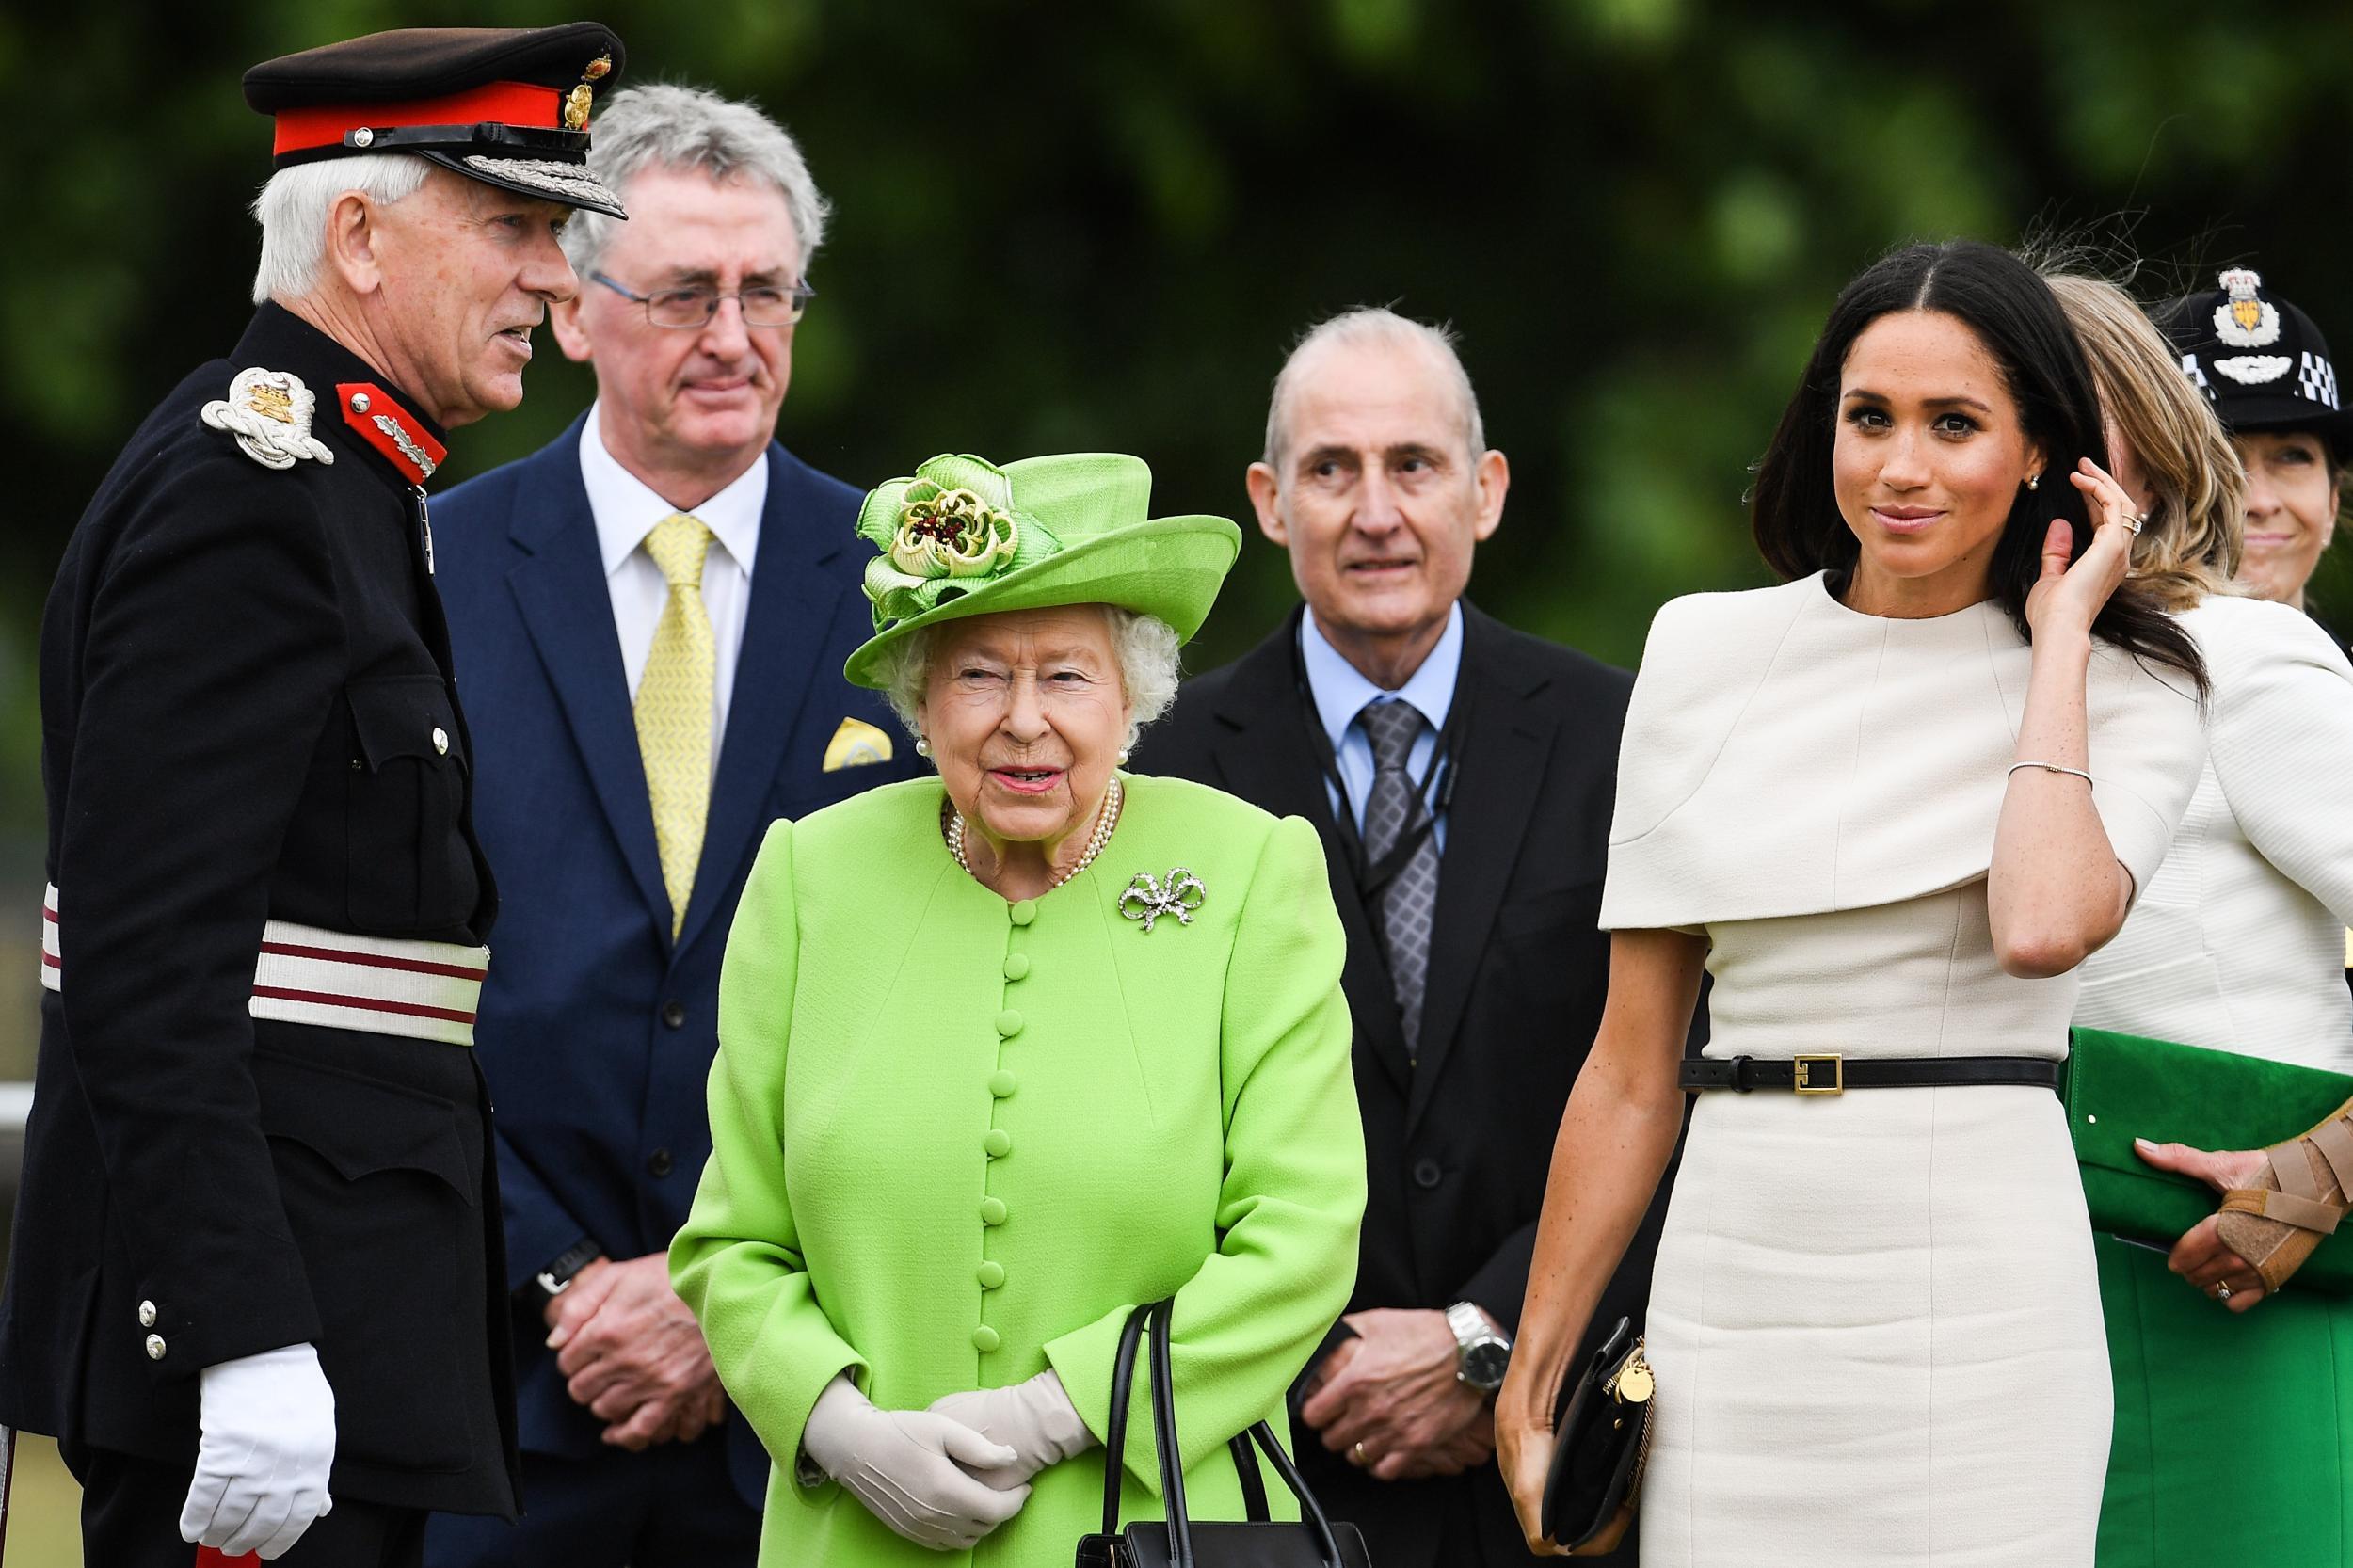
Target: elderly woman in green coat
(1006,1053)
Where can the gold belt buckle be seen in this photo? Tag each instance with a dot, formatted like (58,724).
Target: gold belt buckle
(1805,1073)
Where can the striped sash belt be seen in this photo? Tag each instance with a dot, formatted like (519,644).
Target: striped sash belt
(336,980)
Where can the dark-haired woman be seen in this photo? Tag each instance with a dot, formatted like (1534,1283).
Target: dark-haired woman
(1889,806)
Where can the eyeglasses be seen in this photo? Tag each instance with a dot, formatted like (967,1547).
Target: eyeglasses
(691,308)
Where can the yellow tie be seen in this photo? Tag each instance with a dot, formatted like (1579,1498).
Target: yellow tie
(674,707)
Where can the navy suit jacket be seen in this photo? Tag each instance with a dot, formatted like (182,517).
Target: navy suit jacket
(597,1031)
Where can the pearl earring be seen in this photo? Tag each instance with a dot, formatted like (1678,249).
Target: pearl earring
(2034,481)
(1122,757)
(922,747)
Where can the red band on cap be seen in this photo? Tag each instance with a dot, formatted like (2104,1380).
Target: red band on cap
(506,102)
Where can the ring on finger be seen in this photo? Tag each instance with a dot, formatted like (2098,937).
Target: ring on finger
(2136,520)
(1358,1456)
(2223,1290)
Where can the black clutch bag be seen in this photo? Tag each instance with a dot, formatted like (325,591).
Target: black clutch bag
(1600,1442)
(1176,1541)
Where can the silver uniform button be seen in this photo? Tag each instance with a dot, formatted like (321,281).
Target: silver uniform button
(364,136)
(358,403)
(440,740)
(146,1314)
(154,1347)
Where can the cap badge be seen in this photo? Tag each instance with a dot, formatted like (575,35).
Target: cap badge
(2254,369)
(2245,320)
(578,102)
(270,413)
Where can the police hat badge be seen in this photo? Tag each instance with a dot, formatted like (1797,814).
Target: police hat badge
(2244,319)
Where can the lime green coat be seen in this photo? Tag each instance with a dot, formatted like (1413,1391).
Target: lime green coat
(954,1142)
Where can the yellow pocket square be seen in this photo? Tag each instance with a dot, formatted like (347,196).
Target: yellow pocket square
(855,745)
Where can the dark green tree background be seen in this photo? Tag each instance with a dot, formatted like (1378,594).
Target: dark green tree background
(1062,225)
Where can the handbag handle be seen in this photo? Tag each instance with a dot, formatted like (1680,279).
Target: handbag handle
(1153,1322)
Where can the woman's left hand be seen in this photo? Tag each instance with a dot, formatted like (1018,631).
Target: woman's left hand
(2070,597)
(1036,1419)
(2200,1256)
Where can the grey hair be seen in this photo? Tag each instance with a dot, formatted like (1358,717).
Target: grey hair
(293,209)
(1370,326)
(1148,669)
(664,125)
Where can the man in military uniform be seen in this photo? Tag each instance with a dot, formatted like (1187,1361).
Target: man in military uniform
(258,1270)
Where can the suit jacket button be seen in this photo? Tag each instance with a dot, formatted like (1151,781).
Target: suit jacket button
(154,1347)
(658,1164)
(984,1339)
(146,1314)
(1427,1174)
(440,742)
(674,1014)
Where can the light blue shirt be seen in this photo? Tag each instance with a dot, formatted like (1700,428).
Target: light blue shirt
(1341,691)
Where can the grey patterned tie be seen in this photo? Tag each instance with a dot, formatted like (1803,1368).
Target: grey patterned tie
(1410,898)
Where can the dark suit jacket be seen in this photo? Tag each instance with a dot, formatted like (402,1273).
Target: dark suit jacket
(1458,1144)
(596,1028)
(247,715)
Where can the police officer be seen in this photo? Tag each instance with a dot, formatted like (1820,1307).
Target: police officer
(258,1270)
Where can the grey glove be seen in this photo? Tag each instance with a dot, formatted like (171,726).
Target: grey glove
(909,1467)
(1036,1419)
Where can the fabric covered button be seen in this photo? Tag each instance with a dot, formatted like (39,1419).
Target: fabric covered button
(991,1275)
(146,1314)
(154,1347)
(1024,912)
(992,1212)
(998,1141)
(1003,1083)
(1009,1022)
(1016,965)
(984,1339)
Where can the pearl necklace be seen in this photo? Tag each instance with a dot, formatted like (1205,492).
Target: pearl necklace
(1106,818)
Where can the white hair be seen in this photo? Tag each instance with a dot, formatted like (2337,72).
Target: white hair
(1367,327)
(664,125)
(1148,669)
(293,209)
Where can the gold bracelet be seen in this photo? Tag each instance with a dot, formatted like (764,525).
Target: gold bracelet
(2052,767)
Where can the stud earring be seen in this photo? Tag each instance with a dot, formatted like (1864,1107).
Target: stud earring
(2034,481)
(1122,757)
(922,747)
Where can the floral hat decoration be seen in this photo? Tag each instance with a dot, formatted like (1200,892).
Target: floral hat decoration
(963,537)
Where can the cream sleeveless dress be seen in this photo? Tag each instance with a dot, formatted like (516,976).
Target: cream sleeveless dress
(1875,1318)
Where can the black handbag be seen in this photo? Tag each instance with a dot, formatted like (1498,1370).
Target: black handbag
(1177,1542)
(1600,1442)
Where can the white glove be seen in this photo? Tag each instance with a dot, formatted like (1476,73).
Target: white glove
(907,1466)
(269,1441)
(1036,1419)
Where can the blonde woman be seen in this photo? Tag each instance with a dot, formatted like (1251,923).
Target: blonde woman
(2235,946)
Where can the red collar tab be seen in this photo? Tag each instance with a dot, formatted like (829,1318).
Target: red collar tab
(518,103)
(392,430)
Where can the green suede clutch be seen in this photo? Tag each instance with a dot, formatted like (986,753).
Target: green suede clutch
(2119,1087)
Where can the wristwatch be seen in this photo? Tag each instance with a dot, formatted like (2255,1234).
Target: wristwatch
(1480,1354)
(557,1279)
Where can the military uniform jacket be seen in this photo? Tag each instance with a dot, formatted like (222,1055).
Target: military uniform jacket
(247,713)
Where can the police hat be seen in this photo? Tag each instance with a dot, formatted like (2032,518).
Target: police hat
(2259,359)
(506,105)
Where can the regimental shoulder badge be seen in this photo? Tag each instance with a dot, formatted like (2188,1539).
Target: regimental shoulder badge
(2244,319)
(269,412)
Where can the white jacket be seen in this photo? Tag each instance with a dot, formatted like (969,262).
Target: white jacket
(2238,942)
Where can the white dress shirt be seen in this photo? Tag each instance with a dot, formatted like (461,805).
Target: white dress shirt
(1340,692)
(626,511)
(2238,942)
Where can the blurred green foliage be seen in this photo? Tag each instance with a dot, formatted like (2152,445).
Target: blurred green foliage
(1066,225)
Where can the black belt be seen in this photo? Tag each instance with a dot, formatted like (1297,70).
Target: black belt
(1829,1073)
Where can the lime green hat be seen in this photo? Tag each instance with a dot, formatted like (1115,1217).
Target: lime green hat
(962,536)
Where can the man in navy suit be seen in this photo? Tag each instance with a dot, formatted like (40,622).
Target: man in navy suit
(649,620)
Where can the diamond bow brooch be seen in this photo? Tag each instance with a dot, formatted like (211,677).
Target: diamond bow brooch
(1148,899)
